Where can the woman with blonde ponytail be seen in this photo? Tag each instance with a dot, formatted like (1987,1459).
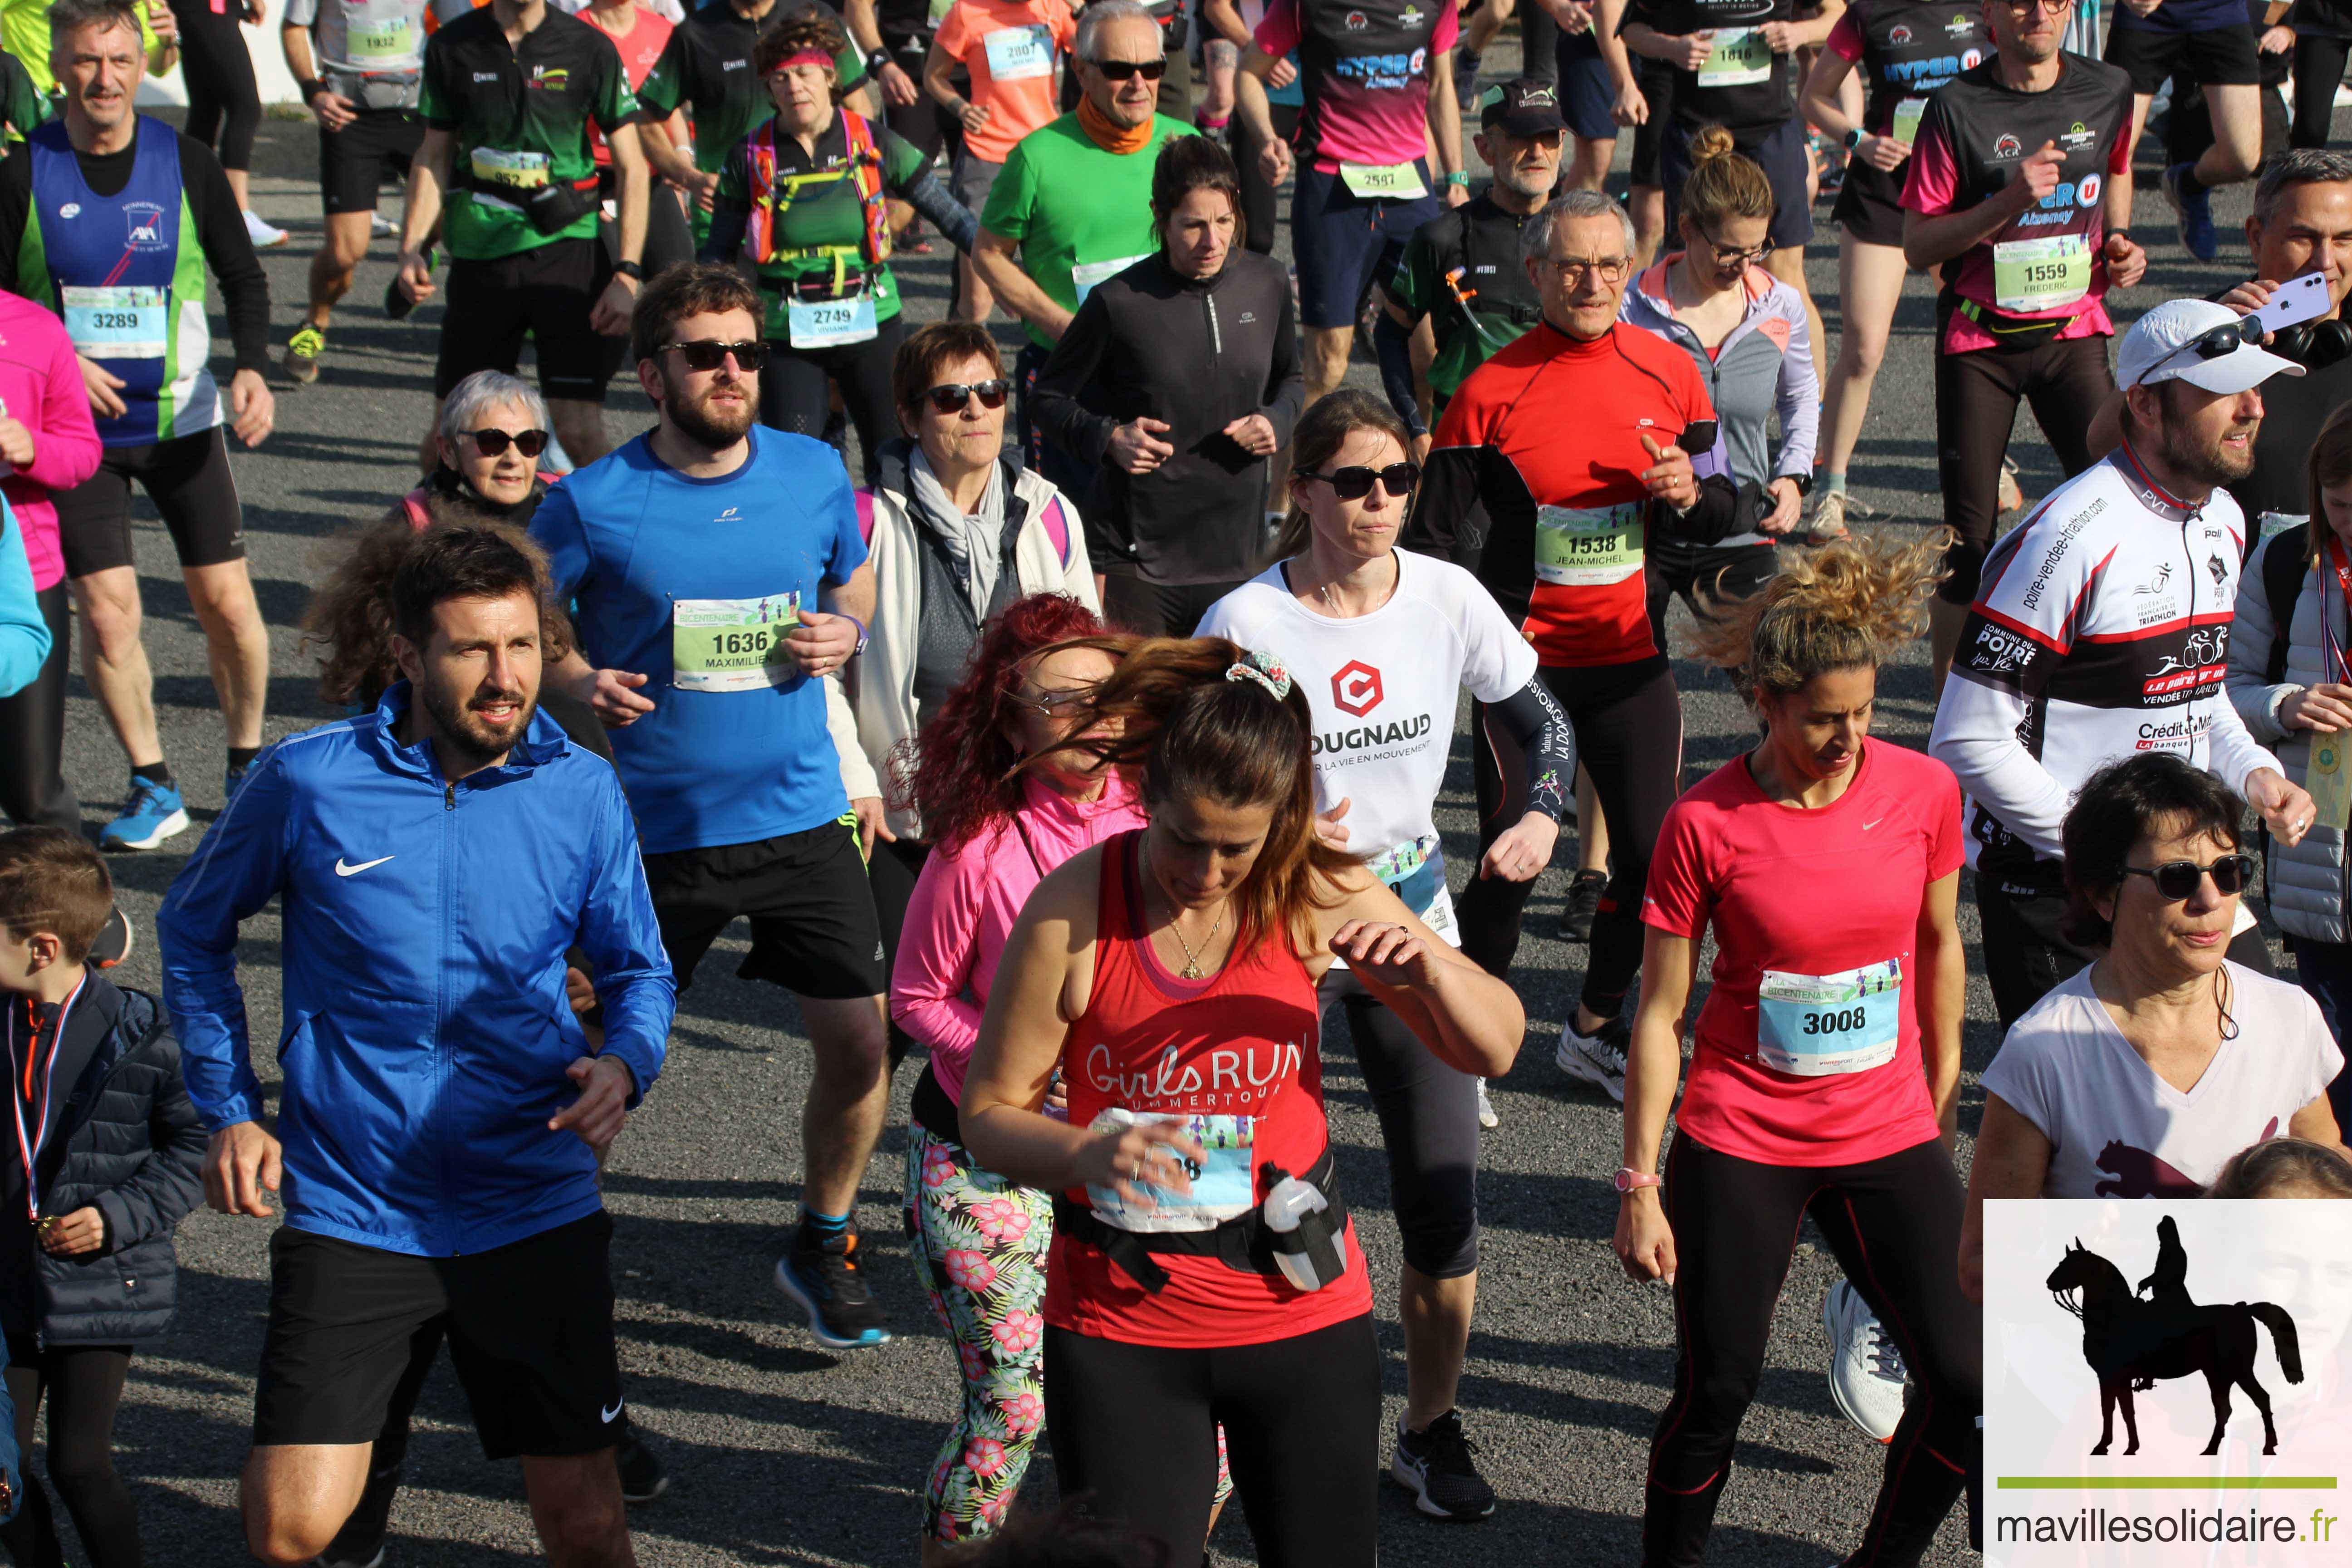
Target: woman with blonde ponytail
(1825,1065)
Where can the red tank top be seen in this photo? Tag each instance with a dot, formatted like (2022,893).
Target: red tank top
(1239,1053)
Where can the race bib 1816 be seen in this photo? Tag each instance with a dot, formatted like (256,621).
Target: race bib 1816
(733,645)
(1735,57)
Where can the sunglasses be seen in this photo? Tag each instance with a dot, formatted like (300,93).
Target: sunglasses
(2178,879)
(703,354)
(1120,71)
(494,443)
(2216,343)
(951,397)
(1059,703)
(1355,483)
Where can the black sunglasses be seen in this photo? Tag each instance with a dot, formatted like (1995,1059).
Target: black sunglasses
(494,443)
(2176,880)
(703,354)
(1355,483)
(1120,71)
(951,397)
(2216,343)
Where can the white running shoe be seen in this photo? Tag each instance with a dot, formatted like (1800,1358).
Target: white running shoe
(1486,1117)
(1865,1369)
(1598,1059)
(263,235)
(381,226)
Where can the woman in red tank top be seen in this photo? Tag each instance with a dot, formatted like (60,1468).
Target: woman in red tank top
(1170,972)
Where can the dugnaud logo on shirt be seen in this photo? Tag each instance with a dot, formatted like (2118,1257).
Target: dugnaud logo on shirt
(2167,1381)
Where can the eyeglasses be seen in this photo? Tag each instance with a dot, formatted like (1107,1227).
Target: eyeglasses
(1573,269)
(703,354)
(2025,7)
(494,443)
(1059,703)
(2178,879)
(951,397)
(1727,257)
(1354,483)
(1120,71)
(2214,342)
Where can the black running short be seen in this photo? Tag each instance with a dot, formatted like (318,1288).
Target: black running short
(529,1326)
(2212,56)
(356,163)
(813,929)
(545,294)
(1657,84)
(1870,208)
(188,480)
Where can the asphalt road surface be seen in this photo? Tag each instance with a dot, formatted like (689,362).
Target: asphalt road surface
(782,1452)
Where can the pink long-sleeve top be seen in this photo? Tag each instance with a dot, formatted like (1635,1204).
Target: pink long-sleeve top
(965,906)
(41,389)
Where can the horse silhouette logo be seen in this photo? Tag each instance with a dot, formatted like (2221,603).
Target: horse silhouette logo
(146,222)
(2133,1343)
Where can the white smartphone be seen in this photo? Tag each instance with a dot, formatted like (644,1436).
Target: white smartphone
(2296,300)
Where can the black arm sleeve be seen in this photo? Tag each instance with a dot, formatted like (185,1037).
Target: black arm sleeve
(950,216)
(220,233)
(1061,414)
(16,201)
(1714,516)
(1286,376)
(1532,717)
(1394,344)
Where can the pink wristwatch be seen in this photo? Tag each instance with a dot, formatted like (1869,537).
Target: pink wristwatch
(1628,1178)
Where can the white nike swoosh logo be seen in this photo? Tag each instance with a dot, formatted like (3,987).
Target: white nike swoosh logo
(606,1417)
(1868,825)
(342,870)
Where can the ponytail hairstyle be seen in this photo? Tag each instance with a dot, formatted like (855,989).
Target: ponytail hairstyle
(1189,164)
(1723,185)
(1321,431)
(1837,607)
(2331,464)
(1199,732)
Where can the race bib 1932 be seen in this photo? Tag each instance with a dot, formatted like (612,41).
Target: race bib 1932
(1587,546)
(733,645)
(1817,1025)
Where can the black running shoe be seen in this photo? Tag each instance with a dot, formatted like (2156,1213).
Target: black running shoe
(1435,1467)
(360,1544)
(642,1477)
(823,1277)
(113,942)
(1582,904)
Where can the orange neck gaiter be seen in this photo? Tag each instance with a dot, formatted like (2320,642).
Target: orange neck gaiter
(1111,138)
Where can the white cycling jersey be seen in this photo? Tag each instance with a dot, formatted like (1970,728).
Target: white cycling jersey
(2102,629)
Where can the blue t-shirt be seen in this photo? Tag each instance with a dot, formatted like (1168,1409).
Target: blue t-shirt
(731,754)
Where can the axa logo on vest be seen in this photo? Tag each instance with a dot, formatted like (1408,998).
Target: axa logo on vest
(145,221)
(1356,688)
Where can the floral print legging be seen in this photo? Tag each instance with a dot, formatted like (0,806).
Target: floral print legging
(979,1243)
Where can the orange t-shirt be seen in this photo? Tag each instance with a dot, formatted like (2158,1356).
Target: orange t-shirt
(1009,47)
(639,48)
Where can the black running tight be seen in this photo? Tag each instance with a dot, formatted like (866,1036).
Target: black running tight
(224,103)
(33,788)
(83,1384)
(796,390)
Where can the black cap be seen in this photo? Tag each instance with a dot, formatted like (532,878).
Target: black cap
(1525,108)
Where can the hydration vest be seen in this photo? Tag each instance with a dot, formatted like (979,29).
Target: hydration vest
(773,194)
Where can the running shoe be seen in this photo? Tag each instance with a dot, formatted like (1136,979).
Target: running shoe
(2011,495)
(642,1476)
(114,941)
(153,812)
(382,227)
(823,1277)
(1826,520)
(1865,1369)
(1486,1117)
(360,1544)
(2193,207)
(1598,1059)
(1583,902)
(1435,1466)
(264,236)
(302,351)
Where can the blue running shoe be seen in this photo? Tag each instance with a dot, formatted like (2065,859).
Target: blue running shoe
(153,812)
(821,1276)
(2193,206)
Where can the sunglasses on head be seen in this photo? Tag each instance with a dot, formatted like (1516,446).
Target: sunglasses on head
(1354,483)
(2216,343)
(2178,879)
(703,354)
(1120,71)
(494,443)
(949,397)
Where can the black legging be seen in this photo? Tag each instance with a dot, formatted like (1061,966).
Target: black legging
(796,389)
(33,788)
(1134,1432)
(83,1384)
(891,870)
(1429,1126)
(1894,1223)
(1629,736)
(1260,215)
(2318,68)
(224,103)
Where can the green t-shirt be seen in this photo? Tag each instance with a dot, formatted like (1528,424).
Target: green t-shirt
(706,68)
(1079,213)
(822,212)
(519,119)
(22,105)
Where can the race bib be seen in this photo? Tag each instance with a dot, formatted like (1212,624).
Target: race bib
(1907,115)
(1396,182)
(1735,57)
(2329,783)
(1015,54)
(733,645)
(119,322)
(1225,1179)
(1819,1025)
(1084,277)
(380,43)
(515,171)
(823,323)
(1587,546)
(2033,274)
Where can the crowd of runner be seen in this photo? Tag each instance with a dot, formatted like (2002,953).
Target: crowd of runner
(1078,722)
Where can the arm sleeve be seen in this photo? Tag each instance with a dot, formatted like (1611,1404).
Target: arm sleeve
(16,201)
(1449,516)
(1846,38)
(221,233)
(1535,722)
(1799,396)
(730,209)
(169,1182)
(1069,370)
(936,949)
(237,870)
(623,939)
(24,634)
(1286,381)
(1680,895)
(2251,634)
(950,216)
(66,448)
(1394,343)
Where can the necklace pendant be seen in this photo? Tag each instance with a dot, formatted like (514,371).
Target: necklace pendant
(1189,971)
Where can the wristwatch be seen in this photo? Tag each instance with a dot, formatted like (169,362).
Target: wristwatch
(1853,138)
(1627,1179)
(629,270)
(1458,177)
(876,61)
(1804,482)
